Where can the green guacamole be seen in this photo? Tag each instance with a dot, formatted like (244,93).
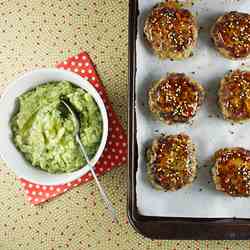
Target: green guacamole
(43,131)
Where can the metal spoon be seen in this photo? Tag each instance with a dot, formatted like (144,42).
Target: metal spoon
(77,137)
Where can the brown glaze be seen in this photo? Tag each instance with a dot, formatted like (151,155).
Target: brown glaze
(234,95)
(232,171)
(232,33)
(172,165)
(170,27)
(177,98)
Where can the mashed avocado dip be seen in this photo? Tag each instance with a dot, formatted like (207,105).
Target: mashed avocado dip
(43,130)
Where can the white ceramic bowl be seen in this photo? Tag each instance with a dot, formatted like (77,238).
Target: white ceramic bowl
(9,152)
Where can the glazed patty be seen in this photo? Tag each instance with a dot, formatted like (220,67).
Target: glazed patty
(231,35)
(171,162)
(175,98)
(231,171)
(234,96)
(171,31)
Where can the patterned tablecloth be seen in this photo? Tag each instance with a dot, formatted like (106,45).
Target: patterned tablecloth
(39,33)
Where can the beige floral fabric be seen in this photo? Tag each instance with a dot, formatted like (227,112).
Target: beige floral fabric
(39,33)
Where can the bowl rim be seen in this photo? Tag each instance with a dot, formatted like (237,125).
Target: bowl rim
(79,82)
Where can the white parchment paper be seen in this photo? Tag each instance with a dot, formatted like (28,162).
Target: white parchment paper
(209,131)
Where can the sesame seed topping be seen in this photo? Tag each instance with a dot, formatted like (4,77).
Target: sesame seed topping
(171,164)
(232,32)
(233,171)
(170,28)
(177,97)
(234,95)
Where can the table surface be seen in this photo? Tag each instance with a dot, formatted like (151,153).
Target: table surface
(39,33)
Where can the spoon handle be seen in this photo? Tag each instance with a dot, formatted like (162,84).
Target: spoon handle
(101,189)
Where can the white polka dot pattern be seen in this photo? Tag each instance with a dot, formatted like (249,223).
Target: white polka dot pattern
(115,153)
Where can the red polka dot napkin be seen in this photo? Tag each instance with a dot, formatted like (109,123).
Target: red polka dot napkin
(115,153)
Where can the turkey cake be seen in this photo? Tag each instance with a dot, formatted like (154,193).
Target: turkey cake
(231,35)
(231,171)
(171,31)
(171,162)
(234,96)
(175,98)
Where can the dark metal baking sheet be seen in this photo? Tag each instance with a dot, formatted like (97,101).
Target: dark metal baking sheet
(163,227)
